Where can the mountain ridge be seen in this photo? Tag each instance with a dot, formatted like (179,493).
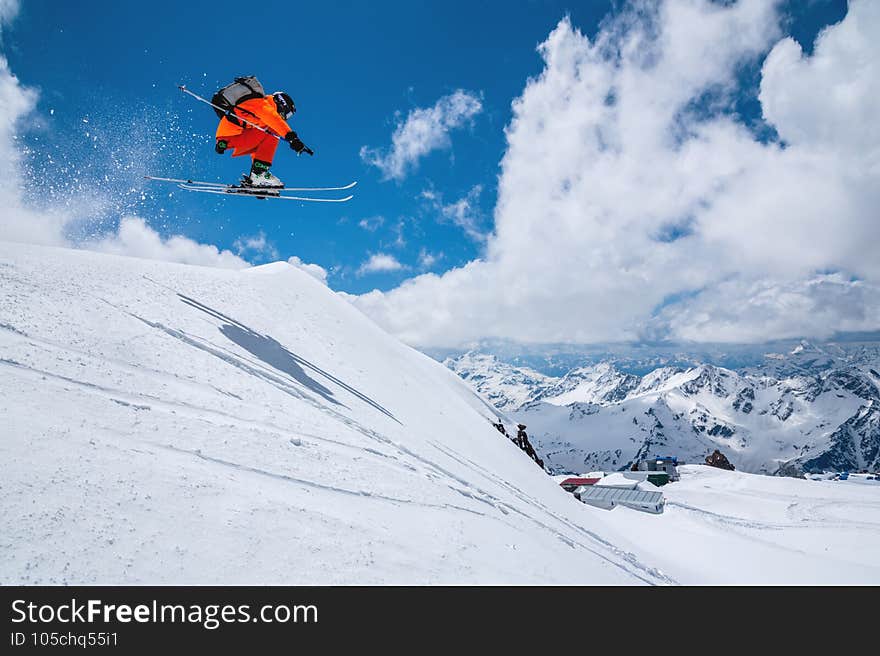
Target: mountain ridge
(811,408)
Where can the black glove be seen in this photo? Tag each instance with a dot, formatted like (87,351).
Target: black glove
(221,146)
(296,144)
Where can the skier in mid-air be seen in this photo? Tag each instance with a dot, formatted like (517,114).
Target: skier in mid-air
(252,123)
(245,137)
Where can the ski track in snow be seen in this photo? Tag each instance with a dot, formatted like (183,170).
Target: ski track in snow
(226,420)
(197,413)
(147,402)
(727,520)
(328,488)
(645,573)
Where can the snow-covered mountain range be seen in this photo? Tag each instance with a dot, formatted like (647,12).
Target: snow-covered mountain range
(811,409)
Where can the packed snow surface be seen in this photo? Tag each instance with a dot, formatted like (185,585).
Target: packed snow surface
(728,527)
(163,423)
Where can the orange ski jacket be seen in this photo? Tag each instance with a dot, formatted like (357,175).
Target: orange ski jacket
(263,113)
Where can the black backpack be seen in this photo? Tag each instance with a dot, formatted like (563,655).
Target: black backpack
(225,100)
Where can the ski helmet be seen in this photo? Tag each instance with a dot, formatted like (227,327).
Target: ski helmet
(284,104)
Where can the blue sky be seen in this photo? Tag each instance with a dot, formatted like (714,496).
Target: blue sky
(107,75)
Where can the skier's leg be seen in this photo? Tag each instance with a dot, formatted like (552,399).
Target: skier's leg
(265,149)
(245,143)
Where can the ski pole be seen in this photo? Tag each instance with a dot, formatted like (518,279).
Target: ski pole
(228,112)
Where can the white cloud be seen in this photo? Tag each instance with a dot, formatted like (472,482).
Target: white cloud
(8,11)
(399,239)
(628,181)
(736,310)
(465,212)
(317,272)
(135,238)
(380,263)
(828,100)
(424,130)
(371,224)
(427,259)
(256,247)
(16,102)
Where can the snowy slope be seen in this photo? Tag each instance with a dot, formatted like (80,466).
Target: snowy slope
(722,527)
(166,423)
(809,410)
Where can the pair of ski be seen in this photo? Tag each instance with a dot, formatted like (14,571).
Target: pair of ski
(256,192)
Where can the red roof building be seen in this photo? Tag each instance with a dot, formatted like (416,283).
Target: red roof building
(569,484)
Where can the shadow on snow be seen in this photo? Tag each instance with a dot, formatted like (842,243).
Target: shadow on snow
(271,352)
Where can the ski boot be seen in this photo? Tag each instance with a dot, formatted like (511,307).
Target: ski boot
(261,179)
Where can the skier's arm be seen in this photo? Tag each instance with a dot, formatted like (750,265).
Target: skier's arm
(279,126)
(296,143)
(273,121)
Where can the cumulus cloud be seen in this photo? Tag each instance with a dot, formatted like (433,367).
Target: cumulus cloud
(135,238)
(425,129)
(380,263)
(16,102)
(634,203)
(828,100)
(317,272)
(746,311)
